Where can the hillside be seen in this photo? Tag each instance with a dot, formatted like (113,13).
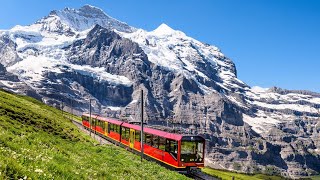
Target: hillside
(38,143)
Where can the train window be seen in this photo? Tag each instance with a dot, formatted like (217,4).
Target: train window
(162,143)
(172,147)
(155,141)
(102,124)
(117,129)
(138,133)
(125,133)
(167,148)
(112,127)
(95,122)
(148,138)
(200,149)
(191,151)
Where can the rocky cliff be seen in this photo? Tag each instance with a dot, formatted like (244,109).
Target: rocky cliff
(74,55)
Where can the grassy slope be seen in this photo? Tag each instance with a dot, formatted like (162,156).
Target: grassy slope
(227,175)
(316,177)
(36,142)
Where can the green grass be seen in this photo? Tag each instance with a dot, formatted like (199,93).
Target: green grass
(37,142)
(315,177)
(227,175)
(71,116)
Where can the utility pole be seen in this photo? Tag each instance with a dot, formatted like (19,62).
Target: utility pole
(90,116)
(141,132)
(207,120)
(71,109)
(94,136)
(62,108)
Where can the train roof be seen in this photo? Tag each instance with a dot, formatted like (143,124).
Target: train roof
(154,131)
(111,120)
(157,132)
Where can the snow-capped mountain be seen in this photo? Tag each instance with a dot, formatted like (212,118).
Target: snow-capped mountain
(74,55)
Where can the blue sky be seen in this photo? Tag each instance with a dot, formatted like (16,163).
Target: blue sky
(272,42)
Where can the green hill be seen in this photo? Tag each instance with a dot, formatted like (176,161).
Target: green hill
(36,142)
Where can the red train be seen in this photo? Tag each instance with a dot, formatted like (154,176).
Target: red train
(175,151)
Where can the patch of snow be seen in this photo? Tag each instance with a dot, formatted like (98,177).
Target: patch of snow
(296,107)
(133,101)
(261,123)
(235,101)
(7,83)
(114,108)
(258,89)
(223,86)
(32,68)
(101,74)
(315,100)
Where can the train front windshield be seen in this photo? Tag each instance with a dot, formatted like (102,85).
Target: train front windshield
(192,151)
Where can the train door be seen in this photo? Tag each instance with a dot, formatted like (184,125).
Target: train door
(106,129)
(132,136)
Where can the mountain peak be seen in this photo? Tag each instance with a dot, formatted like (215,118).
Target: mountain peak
(90,7)
(164,29)
(83,18)
(87,11)
(92,11)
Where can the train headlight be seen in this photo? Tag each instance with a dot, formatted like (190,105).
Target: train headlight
(182,159)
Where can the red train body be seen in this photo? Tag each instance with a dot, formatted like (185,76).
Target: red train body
(175,151)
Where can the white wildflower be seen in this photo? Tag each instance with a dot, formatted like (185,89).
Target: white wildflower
(38,171)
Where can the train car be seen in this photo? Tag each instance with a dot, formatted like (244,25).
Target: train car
(175,151)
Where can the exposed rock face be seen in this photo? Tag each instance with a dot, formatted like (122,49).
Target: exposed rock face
(105,48)
(8,52)
(75,55)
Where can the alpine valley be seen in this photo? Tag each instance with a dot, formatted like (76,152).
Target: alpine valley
(73,55)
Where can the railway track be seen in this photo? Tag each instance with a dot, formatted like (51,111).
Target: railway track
(198,175)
